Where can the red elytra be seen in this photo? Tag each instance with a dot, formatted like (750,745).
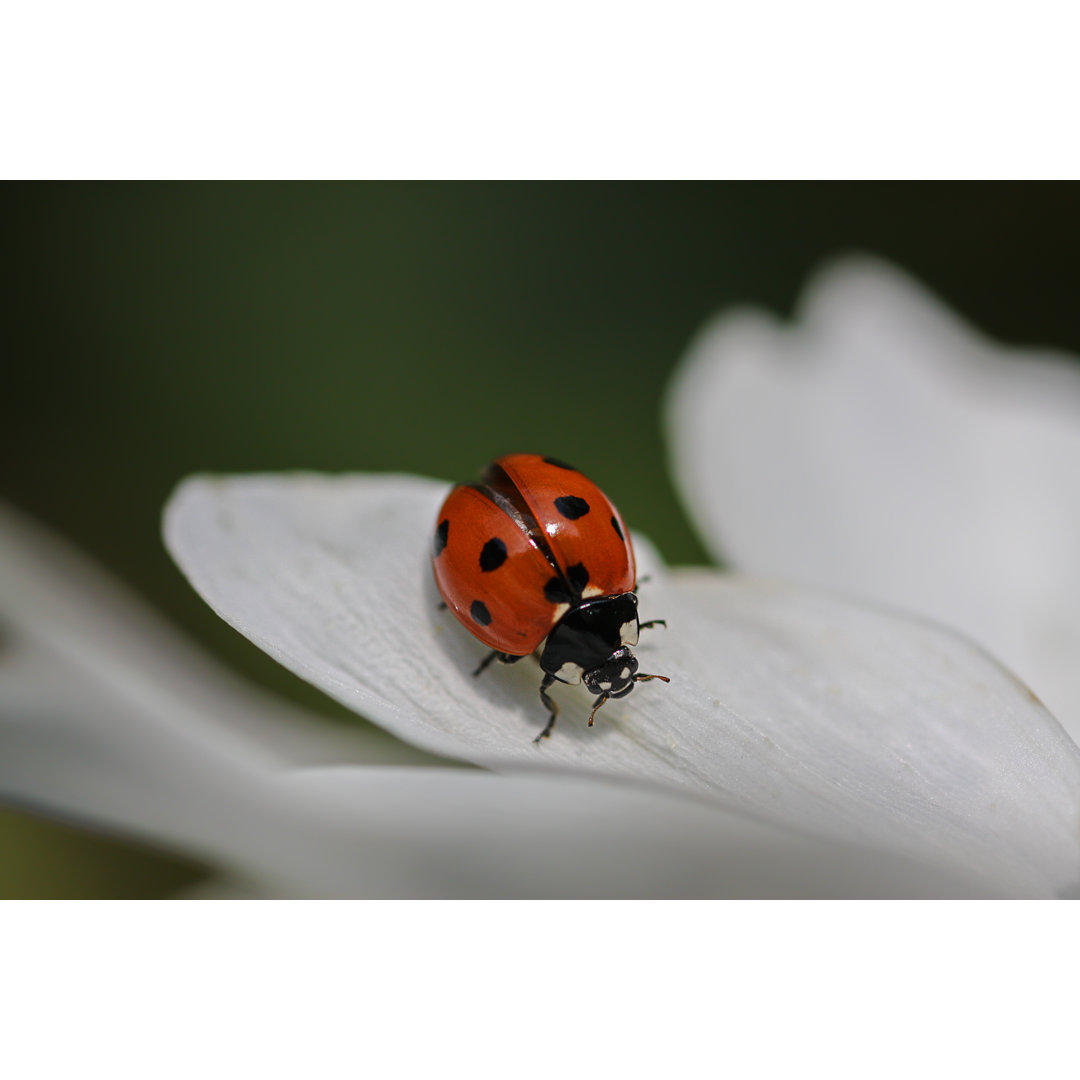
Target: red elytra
(523,501)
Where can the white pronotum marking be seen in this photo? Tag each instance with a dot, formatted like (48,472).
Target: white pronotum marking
(570,672)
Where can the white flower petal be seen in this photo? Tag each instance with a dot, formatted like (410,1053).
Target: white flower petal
(79,748)
(807,711)
(477,834)
(73,746)
(64,610)
(859,723)
(880,446)
(109,718)
(380,831)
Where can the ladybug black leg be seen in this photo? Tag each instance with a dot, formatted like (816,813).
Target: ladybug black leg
(649,678)
(487,660)
(549,705)
(503,658)
(654,622)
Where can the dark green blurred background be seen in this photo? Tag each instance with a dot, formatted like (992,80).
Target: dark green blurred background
(151,330)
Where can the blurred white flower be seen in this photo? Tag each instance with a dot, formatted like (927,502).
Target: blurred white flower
(807,745)
(880,446)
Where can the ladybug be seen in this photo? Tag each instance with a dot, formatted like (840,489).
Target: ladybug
(536,554)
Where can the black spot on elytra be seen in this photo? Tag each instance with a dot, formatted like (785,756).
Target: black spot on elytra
(557,592)
(440,536)
(615,526)
(493,554)
(571,506)
(480,613)
(559,464)
(568,590)
(579,576)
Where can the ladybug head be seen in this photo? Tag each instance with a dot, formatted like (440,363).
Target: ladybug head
(615,676)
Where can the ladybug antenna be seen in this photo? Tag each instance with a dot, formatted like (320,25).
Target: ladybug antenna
(607,695)
(599,701)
